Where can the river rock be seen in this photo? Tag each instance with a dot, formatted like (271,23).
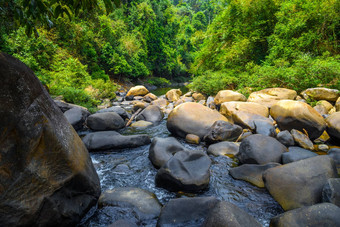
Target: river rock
(139,105)
(324,214)
(180,212)
(162,149)
(227,96)
(295,154)
(105,121)
(229,109)
(271,96)
(46,174)
(260,149)
(322,110)
(110,140)
(302,139)
(227,214)
(325,104)
(143,202)
(331,191)
(137,91)
(141,124)
(160,102)
(321,93)
(265,127)
(334,153)
(117,109)
(64,106)
(337,105)
(298,115)
(193,139)
(210,102)
(192,118)
(198,96)
(152,114)
(173,95)
(123,223)
(222,131)
(150,97)
(333,126)
(286,183)
(225,148)
(185,171)
(77,117)
(251,173)
(285,138)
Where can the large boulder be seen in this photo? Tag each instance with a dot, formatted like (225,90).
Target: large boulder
(299,183)
(77,117)
(117,109)
(333,126)
(137,91)
(271,96)
(222,131)
(105,121)
(143,202)
(185,171)
(110,140)
(229,109)
(251,173)
(152,114)
(46,174)
(331,191)
(227,96)
(225,148)
(180,212)
(321,93)
(228,214)
(162,149)
(296,154)
(260,149)
(324,214)
(298,115)
(173,95)
(192,118)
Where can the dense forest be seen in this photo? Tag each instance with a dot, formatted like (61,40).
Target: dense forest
(78,49)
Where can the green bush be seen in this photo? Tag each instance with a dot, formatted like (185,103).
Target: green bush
(158,81)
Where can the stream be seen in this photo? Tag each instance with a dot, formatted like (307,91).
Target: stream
(132,168)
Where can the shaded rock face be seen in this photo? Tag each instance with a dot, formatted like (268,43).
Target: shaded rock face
(324,214)
(334,153)
(179,212)
(227,214)
(331,191)
(144,203)
(298,115)
(285,183)
(43,160)
(152,114)
(321,93)
(162,149)
(192,118)
(222,131)
(265,127)
(333,126)
(228,95)
(251,173)
(105,121)
(77,117)
(224,148)
(260,149)
(185,171)
(109,140)
(271,96)
(296,154)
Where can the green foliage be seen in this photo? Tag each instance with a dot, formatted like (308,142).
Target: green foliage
(158,81)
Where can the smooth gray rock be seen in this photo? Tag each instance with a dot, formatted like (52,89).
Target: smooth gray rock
(285,138)
(123,223)
(227,214)
(77,117)
(222,131)
(143,202)
(105,121)
(117,109)
(109,140)
(331,191)
(162,149)
(251,173)
(185,171)
(296,154)
(260,149)
(324,214)
(224,148)
(152,114)
(180,212)
(334,153)
(265,127)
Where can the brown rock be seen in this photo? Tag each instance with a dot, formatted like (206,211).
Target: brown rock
(271,96)
(298,115)
(191,138)
(173,95)
(149,97)
(227,96)
(333,126)
(231,109)
(302,139)
(337,105)
(137,91)
(321,93)
(160,102)
(198,96)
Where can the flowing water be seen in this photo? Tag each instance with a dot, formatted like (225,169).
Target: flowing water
(132,168)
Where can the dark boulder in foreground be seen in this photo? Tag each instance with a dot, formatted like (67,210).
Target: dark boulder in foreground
(222,131)
(105,121)
(324,214)
(185,171)
(46,174)
(108,140)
